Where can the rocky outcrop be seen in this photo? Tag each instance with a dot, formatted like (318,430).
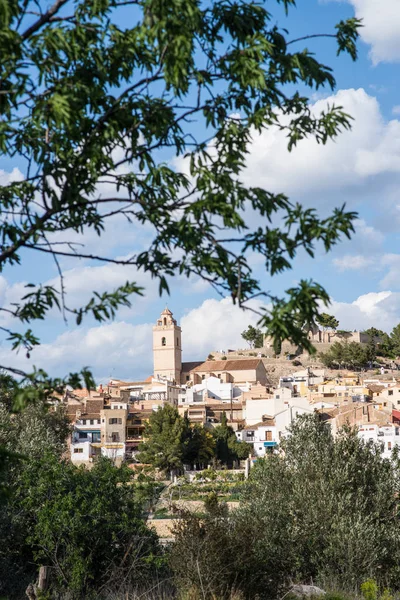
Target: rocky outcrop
(306,591)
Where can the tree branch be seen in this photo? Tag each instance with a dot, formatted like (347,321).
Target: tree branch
(309,37)
(79,255)
(43,19)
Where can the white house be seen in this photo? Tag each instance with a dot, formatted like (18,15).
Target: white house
(282,407)
(262,436)
(284,418)
(300,381)
(388,436)
(211,387)
(85,440)
(255,409)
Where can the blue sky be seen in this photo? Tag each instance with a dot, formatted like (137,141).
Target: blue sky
(362,168)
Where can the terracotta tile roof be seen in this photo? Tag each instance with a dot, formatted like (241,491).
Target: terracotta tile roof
(71,409)
(90,410)
(94,406)
(81,393)
(374,387)
(149,379)
(267,423)
(90,416)
(189,366)
(211,366)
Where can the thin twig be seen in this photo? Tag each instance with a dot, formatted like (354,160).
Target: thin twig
(314,35)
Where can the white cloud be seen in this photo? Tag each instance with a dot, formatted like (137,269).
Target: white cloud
(7,177)
(367,242)
(391,262)
(372,147)
(214,325)
(378,309)
(119,348)
(81,282)
(381,26)
(387,262)
(396,109)
(351,262)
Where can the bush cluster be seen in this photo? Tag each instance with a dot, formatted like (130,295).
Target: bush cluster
(325,509)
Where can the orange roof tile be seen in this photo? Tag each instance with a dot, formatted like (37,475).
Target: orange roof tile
(228,365)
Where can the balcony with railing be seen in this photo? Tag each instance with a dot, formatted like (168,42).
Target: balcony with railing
(134,433)
(79,437)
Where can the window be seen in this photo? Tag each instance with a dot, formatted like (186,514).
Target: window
(78,450)
(115,421)
(268,436)
(165,322)
(277,396)
(203,377)
(163,341)
(390,393)
(92,421)
(115,436)
(187,377)
(177,341)
(96,436)
(385,404)
(83,435)
(389,445)
(83,421)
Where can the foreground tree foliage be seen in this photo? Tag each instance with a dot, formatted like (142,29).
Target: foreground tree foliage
(324,510)
(90,100)
(87,525)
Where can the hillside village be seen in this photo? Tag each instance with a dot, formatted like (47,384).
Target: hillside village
(259,396)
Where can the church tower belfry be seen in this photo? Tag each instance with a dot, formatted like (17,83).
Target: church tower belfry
(167,348)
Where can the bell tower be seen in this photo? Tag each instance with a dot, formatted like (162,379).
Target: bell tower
(167,348)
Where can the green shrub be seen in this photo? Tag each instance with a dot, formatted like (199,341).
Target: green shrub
(386,595)
(369,590)
(321,510)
